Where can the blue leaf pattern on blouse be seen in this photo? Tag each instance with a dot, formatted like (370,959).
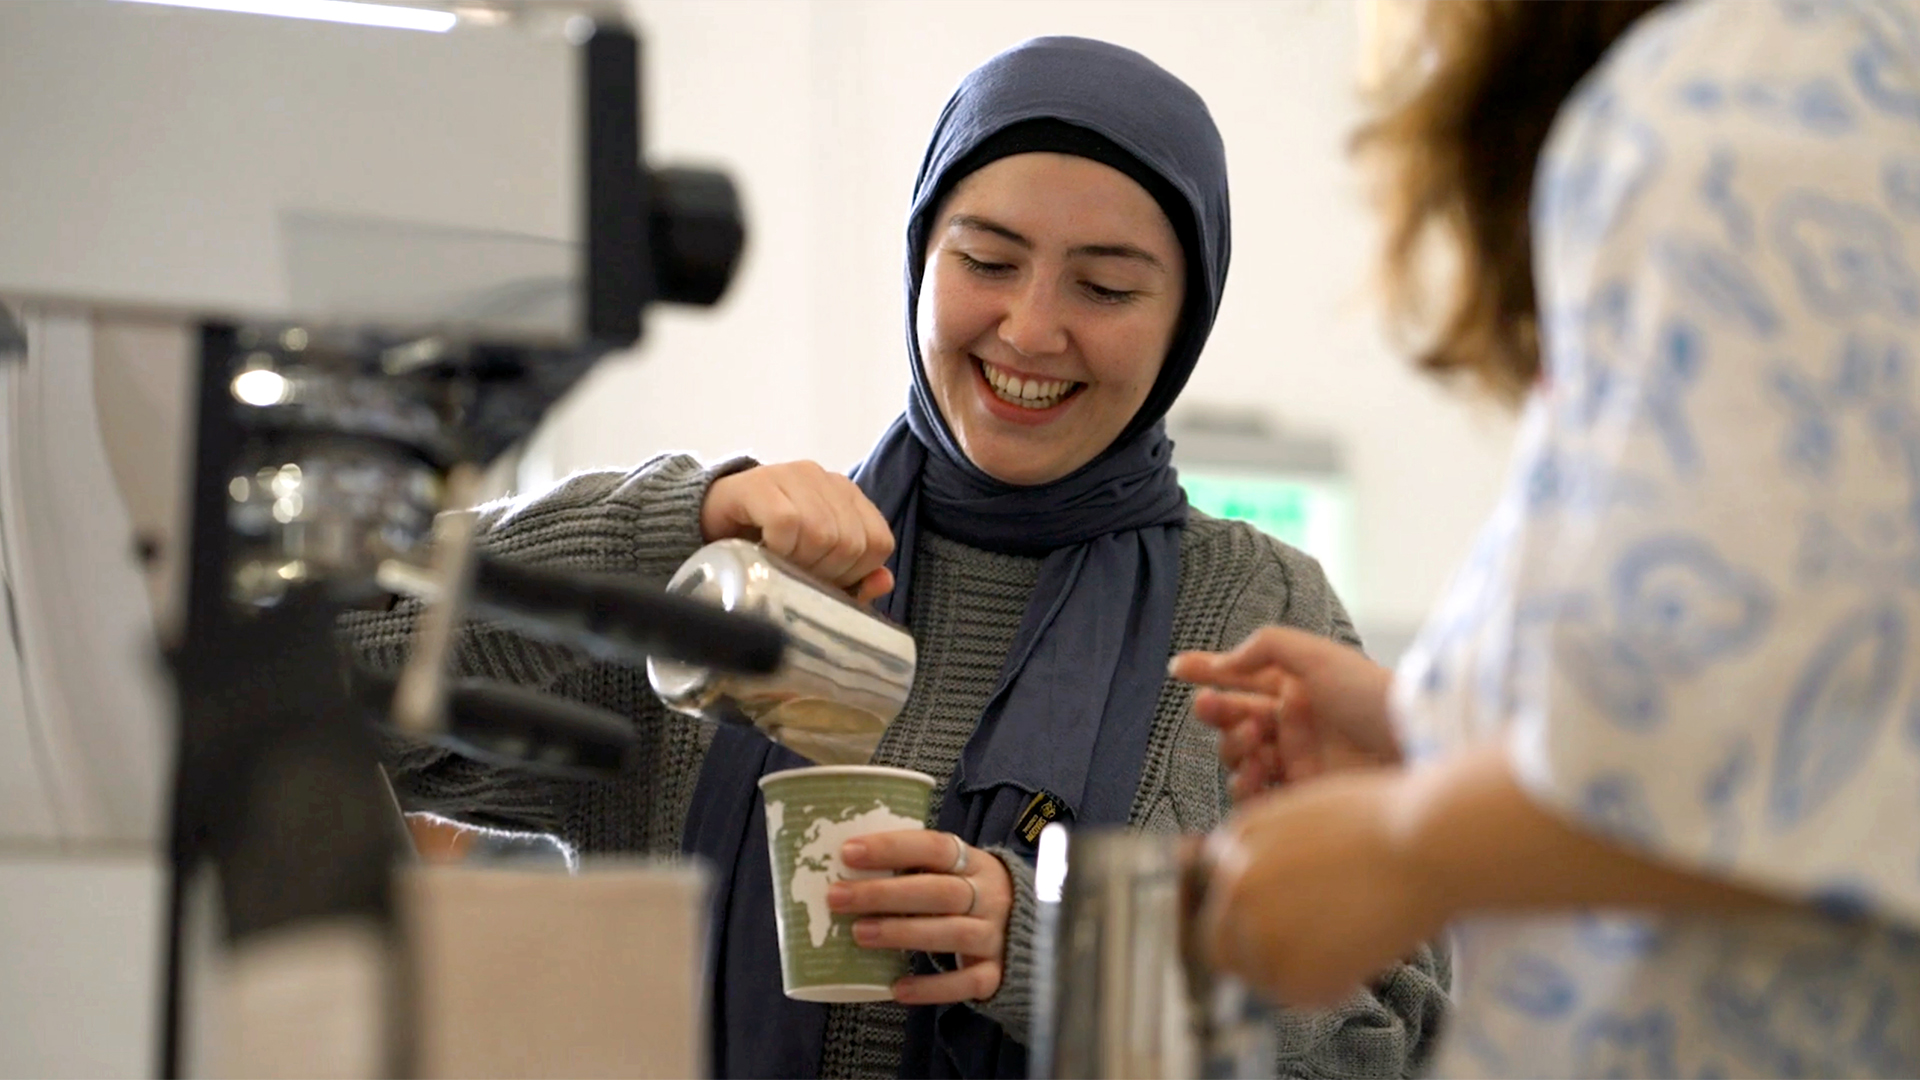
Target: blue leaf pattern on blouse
(1694,618)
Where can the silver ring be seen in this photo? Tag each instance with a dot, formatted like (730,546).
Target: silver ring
(973,896)
(959,855)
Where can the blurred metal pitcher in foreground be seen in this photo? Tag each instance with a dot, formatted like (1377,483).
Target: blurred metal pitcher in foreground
(845,675)
(1122,989)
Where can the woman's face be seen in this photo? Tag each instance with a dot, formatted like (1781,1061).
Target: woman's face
(1053,284)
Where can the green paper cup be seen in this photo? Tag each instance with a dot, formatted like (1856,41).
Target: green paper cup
(810,813)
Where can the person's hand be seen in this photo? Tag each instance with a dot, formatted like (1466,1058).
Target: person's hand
(959,905)
(1291,706)
(818,520)
(1311,896)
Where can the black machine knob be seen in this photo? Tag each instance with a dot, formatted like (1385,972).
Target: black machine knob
(697,234)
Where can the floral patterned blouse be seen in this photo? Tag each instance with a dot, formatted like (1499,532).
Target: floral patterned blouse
(1694,619)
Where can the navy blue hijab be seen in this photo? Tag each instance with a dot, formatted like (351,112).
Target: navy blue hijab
(1078,693)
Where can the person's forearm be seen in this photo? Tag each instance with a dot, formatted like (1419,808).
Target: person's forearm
(1481,844)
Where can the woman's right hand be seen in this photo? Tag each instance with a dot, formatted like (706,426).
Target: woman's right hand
(818,520)
(1290,706)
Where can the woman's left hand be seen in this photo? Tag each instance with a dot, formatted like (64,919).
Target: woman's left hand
(959,905)
(1313,893)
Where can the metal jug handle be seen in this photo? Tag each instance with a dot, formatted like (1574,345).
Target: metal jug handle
(1229,1024)
(1197,862)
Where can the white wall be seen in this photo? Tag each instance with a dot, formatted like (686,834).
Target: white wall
(820,110)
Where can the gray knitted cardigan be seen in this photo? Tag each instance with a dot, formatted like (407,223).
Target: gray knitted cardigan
(966,608)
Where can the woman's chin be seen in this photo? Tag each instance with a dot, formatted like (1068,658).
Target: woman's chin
(1021,455)
(1021,468)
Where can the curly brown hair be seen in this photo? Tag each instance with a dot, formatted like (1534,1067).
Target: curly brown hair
(1457,124)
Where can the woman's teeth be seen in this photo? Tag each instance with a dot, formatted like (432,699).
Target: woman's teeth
(1027,393)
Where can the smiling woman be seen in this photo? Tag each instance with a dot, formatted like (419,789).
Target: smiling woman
(1067,251)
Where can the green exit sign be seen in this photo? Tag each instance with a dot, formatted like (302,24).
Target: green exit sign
(1312,513)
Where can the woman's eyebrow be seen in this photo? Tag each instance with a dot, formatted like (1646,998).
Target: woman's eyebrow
(980,224)
(1118,251)
(1098,251)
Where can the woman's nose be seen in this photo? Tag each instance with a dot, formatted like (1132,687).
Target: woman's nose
(1034,324)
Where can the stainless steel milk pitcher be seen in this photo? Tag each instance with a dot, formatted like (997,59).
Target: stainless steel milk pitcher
(1122,988)
(845,675)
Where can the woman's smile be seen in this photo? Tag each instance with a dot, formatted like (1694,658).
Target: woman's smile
(1023,398)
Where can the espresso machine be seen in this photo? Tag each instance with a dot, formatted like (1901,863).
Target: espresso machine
(273,292)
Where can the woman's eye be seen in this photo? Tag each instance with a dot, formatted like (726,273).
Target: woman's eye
(985,269)
(1104,295)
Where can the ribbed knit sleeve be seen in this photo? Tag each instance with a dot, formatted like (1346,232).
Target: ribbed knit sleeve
(1012,1005)
(643,522)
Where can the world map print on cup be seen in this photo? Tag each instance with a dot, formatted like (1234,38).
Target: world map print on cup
(811,813)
